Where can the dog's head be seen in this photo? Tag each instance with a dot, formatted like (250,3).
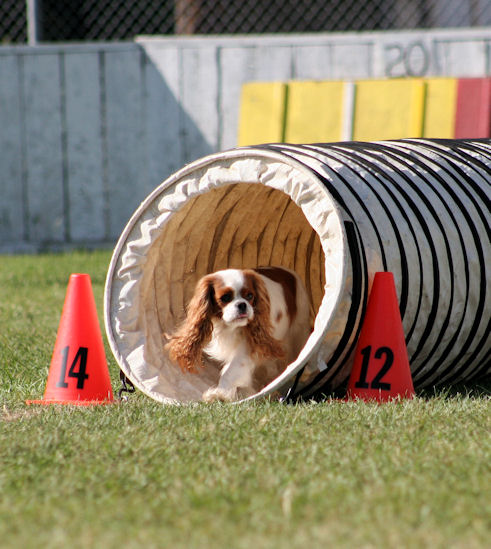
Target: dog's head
(235,298)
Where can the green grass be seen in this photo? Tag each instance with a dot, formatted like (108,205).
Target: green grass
(262,475)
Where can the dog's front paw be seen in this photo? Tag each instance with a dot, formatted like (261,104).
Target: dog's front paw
(217,394)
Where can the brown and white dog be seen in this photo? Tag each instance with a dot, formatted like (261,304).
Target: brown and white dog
(253,322)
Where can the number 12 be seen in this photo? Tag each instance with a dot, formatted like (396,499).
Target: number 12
(376,383)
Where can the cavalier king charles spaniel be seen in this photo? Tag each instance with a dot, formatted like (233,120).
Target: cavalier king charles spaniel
(252,322)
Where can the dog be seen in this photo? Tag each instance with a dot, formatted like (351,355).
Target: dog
(254,322)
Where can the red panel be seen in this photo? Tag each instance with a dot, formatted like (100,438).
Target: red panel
(473,108)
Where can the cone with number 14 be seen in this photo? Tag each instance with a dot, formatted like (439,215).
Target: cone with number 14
(381,367)
(78,372)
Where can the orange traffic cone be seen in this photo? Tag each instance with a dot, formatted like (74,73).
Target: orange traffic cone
(381,366)
(78,372)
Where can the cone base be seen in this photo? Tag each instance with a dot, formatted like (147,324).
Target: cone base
(379,399)
(368,399)
(72,402)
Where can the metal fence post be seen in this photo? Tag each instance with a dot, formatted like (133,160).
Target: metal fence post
(34,34)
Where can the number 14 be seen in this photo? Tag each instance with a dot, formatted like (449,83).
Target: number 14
(80,375)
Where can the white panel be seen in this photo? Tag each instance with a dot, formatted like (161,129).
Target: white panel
(313,62)
(163,114)
(199,99)
(124,136)
(332,60)
(245,64)
(348,111)
(11,195)
(465,58)
(44,148)
(351,60)
(84,147)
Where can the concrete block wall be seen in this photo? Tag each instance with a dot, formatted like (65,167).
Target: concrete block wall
(87,131)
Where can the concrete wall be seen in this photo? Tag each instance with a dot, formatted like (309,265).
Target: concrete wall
(87,131)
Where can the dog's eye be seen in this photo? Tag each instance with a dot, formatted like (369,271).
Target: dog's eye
(226,298)
(249,296)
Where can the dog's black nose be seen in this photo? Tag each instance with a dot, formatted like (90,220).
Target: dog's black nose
(242,306)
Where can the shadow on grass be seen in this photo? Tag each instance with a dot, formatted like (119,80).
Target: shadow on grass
(477,389)
(480,388)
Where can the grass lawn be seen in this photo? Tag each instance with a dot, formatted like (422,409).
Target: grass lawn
(262,475)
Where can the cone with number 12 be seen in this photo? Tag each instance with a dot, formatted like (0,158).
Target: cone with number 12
(78,372)
(381,366)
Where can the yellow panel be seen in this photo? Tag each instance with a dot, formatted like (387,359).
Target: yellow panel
(441,107)
(262,113)
(314,112)
(388,109)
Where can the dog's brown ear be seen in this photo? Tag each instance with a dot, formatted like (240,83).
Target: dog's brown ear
(186,345)
(259,330)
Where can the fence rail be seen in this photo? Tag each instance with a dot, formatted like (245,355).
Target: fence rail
(32,21)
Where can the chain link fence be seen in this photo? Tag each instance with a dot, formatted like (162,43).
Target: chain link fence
(31,21)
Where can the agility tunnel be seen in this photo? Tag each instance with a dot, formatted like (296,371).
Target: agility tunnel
(335,213)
